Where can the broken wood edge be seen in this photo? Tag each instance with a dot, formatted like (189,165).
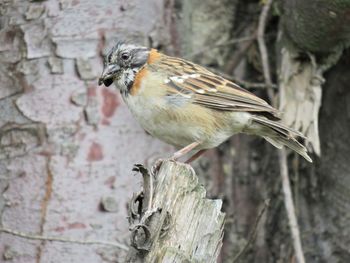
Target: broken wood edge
(180,224)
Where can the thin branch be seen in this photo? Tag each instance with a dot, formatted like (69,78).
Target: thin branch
(288,202)
(243,83)
(288,198)
(252,233)
(61,239)
(263,49)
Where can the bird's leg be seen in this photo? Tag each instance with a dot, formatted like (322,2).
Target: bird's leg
(184,150)
(156,166)
(196,155)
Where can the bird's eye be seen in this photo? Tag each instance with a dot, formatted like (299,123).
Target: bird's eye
(125,56)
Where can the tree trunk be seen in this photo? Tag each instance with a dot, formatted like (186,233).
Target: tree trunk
(67,145)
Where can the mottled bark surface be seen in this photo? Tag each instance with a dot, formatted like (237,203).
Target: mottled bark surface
(329,217)
(68,146)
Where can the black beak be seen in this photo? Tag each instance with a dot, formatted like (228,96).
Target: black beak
(108,74)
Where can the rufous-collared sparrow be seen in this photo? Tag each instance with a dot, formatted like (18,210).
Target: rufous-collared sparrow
(188,106)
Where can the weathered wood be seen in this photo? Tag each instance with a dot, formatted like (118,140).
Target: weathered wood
(181,225)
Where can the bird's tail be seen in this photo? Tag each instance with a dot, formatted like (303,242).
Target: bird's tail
(278,135)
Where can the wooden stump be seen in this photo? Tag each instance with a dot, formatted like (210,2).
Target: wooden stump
(171,219)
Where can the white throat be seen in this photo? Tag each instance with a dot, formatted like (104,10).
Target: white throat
(126,80)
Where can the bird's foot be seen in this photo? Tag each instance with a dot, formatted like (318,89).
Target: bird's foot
(156,166)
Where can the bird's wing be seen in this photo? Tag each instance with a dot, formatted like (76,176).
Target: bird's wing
(207,89)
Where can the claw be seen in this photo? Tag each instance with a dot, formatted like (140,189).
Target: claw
(156,166)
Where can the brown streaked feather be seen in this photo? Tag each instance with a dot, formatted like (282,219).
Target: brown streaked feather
(279,128)
(210,90)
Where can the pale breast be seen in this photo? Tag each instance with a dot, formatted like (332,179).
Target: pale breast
(160,121)
(182,127)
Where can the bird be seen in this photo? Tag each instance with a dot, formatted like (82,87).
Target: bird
(188,106)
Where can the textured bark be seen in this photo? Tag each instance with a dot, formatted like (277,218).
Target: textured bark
(181,224)
(331,217)
(324,190)
(67,146)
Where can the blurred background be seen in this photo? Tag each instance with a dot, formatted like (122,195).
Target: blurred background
(67,146)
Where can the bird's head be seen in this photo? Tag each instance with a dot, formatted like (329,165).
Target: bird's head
(122,63)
